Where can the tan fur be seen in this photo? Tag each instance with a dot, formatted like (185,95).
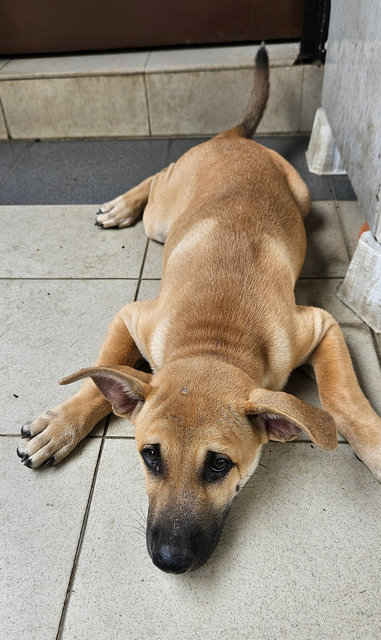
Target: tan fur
(233,213)
(222,336)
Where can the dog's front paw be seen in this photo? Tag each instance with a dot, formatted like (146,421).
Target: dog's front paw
(49,438)
(118,213)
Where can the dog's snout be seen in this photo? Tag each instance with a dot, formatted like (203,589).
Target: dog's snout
(178,545)
(171,559)
(170,550)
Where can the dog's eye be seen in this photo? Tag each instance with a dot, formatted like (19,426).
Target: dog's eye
(217,465)
(151,456)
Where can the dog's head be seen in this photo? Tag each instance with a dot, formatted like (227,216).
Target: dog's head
(200,427)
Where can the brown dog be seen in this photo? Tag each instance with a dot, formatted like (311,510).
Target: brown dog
(222,338)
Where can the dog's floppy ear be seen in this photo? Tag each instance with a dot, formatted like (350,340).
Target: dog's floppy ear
(125,387)
(284,416)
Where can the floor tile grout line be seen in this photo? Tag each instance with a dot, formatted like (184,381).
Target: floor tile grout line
(120,437)
(168,152)
(321,278)
(141,271)
(338,213)
(89,437)
(147,61)
(300,105)
(7,63)
(107,437)
(2,110)
(332,188)
(159,136)
(136,278)
(28,145)
(79,202)
(376,347)
(301,441)
(82,533)
(69,279)
(10,435)
(107,424)
(147,104)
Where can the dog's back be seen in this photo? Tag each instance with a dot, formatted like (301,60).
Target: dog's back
(231,212)
(228,184)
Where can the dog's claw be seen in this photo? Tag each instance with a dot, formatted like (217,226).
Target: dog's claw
(23,456)
(98,224)
(28,463)
(25,433)
(48,462)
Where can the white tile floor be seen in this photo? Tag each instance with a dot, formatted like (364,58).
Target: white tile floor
(302,559)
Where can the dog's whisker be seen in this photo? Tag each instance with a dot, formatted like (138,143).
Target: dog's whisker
(232,519)
(140,524)
(142,512)
(229,528)
(228,535)
(140,516)
(223,543)
(138,529)
(133,467)
(139,533)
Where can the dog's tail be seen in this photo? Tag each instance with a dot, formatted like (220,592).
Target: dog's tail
(259,95)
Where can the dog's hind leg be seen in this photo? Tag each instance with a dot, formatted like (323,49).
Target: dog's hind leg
(339,390)
(296,185)
(50,437)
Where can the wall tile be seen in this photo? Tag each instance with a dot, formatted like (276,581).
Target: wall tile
(75,107)
(198,102)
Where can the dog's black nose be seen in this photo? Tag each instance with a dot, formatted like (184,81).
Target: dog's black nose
(171,559)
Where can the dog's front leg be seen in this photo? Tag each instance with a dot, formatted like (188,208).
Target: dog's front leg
(341,396)
(124,210)
(51,436)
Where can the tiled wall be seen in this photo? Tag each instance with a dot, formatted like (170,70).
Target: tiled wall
(161,93)
(352,97)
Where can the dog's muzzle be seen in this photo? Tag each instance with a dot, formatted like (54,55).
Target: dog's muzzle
(171,558)
(177,547)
